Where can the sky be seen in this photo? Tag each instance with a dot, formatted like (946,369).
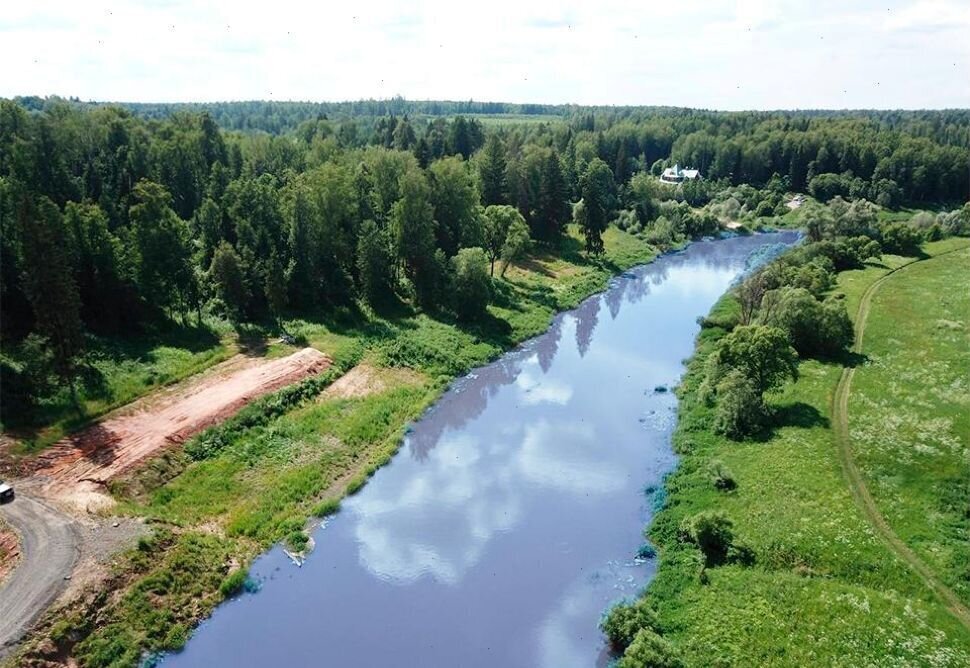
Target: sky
(716,54)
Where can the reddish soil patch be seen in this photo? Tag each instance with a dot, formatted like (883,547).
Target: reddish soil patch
(80,465)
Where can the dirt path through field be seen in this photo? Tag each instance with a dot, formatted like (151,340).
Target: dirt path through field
(76,469)
(854,478)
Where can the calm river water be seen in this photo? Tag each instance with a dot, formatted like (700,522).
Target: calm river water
(511,517)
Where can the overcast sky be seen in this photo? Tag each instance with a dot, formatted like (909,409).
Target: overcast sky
(724,54)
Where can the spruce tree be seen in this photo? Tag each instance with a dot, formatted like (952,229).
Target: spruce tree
(492,172)
(50,286)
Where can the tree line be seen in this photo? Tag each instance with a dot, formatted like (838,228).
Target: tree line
(890,157)
(111,220)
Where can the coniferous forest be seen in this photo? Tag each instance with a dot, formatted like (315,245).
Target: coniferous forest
(118,216)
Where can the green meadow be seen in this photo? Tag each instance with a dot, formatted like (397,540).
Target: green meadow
(824,588)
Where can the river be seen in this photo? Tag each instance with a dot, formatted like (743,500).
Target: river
(513,514)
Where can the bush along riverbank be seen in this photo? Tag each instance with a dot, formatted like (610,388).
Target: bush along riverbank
(765,556)
(234,490)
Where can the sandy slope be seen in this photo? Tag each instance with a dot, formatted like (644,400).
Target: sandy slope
(76,468)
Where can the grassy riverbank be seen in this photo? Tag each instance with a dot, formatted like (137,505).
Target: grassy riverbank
(824,588)
(234,491)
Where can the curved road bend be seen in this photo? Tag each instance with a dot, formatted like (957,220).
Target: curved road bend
(49,548)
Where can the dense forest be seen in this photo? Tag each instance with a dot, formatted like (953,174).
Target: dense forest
(116,216)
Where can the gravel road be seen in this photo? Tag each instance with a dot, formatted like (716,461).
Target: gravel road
(49,548)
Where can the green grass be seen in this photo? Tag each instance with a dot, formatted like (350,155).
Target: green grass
(824,589)
(909,412)
(115,372)
(294,454)
(170,579)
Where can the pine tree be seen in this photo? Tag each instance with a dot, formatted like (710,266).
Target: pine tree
(275,286)
(553,199)
(622,170)
(597,188)
(373,263)
(412,222)
(229,279)
(492,171)
(50,286)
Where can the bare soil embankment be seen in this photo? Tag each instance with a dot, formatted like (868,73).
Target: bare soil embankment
(75,470)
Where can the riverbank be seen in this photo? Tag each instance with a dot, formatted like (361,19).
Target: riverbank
(232,492)
(824,588)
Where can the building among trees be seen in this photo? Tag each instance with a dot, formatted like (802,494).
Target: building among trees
(675,175)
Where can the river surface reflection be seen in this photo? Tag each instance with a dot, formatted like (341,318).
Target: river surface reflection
(512,515)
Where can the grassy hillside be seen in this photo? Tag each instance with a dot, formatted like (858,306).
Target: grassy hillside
(115,372)
(823,589)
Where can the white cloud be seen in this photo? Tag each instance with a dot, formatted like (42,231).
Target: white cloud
(930,15)
(536,388)
(440,522)
(721,54)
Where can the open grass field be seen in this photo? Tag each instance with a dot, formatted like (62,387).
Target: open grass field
(254,480)
(824,588)
(909,412)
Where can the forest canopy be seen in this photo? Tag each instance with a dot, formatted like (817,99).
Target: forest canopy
(116,216)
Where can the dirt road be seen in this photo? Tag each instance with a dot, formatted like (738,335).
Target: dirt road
(72,474)
(75,470)
(49,548)
(854,477)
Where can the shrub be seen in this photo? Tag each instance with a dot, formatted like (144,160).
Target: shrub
(472,285)
(627,220)
(901,239)
(956,222)
(847,253)
(649,650)
(233,583)
(624,620)
(762,354)
(933,233)
(661,233)
(836,332)
(814,328)
(741,410)
(297,540)
(721,476)
(712,531)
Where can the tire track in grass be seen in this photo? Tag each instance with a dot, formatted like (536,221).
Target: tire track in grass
(853,475)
